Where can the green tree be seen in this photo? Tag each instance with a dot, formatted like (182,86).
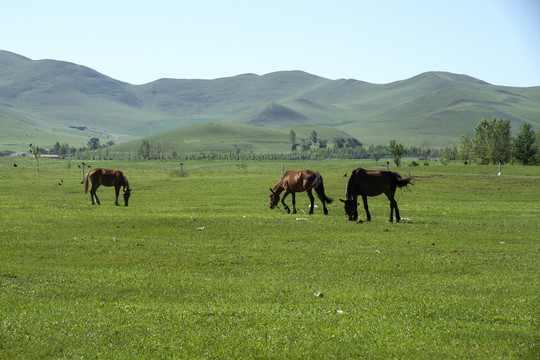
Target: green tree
(313,137)
(377,157)
(352,143)
(306,144)
(56,148)
(396,150)
(465,151)
(292,139)
(525,150)
(426,148)
(237,150)
(36,151)
(93,143)
(448,153)
(481,142)
(62,151)
(144,149)
(492,141)
(501,138)
(339,142)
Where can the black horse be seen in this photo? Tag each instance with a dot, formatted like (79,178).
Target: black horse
(372,183)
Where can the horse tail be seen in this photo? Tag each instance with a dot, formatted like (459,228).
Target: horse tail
(319,188)
(401,182)
(86,183)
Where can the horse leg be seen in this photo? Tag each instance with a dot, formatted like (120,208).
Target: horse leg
(393,205)
(293,203)
(285,205)
(310,194)
(391,211)
(397,211)
(93,193)
(368,215)
(117,192)
(312,201)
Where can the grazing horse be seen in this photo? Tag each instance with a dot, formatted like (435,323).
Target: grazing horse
(372,183)
(299,181)
(107,177)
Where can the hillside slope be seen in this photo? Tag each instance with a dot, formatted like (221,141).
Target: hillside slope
(50,101)
(227,137)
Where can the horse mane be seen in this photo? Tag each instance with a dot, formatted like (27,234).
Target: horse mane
(125,180)
(279,187)
(350,184)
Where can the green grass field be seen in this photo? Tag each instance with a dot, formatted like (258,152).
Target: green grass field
(457,279)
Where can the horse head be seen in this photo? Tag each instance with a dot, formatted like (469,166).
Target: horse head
(126,193)
(274,199)
(351,209)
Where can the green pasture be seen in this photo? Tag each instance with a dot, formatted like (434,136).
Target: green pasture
(198,267)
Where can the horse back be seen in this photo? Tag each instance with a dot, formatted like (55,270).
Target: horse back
(108,177)
(372,182)
(298,181)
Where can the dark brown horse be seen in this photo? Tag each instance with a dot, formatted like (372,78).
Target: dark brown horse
(107,177)
(299,181)
(372,183)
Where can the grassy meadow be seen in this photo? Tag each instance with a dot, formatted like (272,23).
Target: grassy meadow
(198,267)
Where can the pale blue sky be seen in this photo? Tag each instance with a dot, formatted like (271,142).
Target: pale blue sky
(378,41)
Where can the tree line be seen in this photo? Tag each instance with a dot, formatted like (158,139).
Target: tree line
(92,150)
(493,143)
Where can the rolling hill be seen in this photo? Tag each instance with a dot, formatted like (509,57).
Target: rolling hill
(226,137)
(45,101)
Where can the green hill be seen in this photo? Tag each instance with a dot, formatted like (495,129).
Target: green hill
(45,101)
(227,137)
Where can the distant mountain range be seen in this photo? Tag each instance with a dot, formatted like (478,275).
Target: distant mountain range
(48,101)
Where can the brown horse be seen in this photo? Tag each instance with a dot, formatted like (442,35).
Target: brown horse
(372,183)
(299,181)
(107,177)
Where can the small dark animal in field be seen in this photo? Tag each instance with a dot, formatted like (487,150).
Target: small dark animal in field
(107,177)
(299,181)
(372,183)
